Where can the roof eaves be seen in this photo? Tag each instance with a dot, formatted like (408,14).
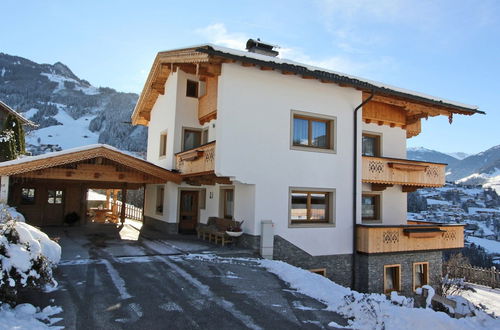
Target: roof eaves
(336,78)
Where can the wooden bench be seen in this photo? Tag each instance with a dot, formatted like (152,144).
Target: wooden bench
(215,230)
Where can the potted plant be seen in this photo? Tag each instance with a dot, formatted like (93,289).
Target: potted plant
(235,230)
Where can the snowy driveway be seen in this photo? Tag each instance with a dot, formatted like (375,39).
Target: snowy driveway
(117,281)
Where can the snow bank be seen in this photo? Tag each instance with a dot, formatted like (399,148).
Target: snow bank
(27,316)
(372,311)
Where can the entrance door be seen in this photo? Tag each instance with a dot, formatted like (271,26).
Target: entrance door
(54,207)
(188,213)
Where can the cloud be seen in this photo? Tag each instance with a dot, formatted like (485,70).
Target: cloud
(218,34)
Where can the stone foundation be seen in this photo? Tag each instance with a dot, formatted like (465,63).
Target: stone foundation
(370,274)
(155,224)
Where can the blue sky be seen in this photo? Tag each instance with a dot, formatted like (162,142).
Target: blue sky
(450,49)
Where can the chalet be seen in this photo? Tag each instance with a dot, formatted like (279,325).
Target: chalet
(320,154)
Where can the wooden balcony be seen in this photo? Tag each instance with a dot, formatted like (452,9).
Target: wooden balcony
(207,104)
(415,236)
(411,174)
(196,161)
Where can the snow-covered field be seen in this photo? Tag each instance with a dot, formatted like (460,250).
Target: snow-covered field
(484,296)
(72,133)
(491,246)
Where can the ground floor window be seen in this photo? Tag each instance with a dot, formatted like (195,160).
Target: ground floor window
(160,194)
(392,278)
(54,196)
(311,206)
(28,196)
(420,274)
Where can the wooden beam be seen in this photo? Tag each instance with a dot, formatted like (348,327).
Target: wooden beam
(124,205)
(380,186)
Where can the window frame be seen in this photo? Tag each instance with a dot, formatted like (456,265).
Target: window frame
(224,192)
(191,129)
(22,202)
(162,204)
(163,145)
(55,196)
(378,205)
(197,83)
(378,146)
(331,208)
(426,273)
(398,266)
(331,131)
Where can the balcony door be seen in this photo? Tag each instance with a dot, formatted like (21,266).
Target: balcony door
(188,212)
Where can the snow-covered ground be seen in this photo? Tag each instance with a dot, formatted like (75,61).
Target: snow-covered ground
(491,246)
(72,133)
(437,202)
(28,317)
(484,296)
(366,311)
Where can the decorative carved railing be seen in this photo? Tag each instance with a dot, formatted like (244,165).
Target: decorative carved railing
(207,104)
(416,237)
(380,170)
(197,160)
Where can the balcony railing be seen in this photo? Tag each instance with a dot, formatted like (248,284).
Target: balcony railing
(197,161)
(380,170)
(415,236)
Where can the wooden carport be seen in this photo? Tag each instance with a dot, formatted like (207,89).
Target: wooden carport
(45,188)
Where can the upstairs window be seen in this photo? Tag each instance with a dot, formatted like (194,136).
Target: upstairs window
(370,207)
(192,88)
(163,144)
(313,132)
(191,138)
(371,145)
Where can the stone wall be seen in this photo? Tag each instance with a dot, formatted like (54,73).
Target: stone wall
(166,227)
(370,269)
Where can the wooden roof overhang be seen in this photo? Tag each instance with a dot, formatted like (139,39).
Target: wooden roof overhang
(188,60)
(99,164)
(389,106)
(4,107)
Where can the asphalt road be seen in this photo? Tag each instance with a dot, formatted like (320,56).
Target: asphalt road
(121,281)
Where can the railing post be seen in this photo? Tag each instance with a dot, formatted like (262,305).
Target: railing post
(493,277)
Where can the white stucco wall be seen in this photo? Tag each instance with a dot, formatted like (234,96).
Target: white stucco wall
(253,146)
(393,139)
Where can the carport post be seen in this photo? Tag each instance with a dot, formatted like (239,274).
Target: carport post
(4,189)
(124,205)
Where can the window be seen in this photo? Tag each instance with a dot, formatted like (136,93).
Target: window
(204,136)
(163,144)
(228,205)
(311,207)
(160,193)
(392,278)
(54,196)
(312,132)
(319,271)
(420,274)
(192,88)
(371,145)
(192,139)
(28,196)
(370,207)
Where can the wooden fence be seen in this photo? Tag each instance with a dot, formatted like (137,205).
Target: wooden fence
(489,277)
(131,211)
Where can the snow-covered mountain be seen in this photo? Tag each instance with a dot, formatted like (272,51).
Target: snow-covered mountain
(70,111)
(479,169)
(459,155)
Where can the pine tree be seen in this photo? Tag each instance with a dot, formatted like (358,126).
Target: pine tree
(12,123)
(7,146)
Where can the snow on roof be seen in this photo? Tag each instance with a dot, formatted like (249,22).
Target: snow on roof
(278,60)
(17,114)
(27,159)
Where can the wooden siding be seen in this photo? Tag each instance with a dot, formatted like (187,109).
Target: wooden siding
(385,239)
(380,170)
(207,105)
(197,160)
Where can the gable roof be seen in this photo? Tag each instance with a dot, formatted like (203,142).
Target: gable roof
(58,158)
(207,53)
(23,120)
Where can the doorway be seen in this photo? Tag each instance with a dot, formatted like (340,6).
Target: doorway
(188,212)
(54,207)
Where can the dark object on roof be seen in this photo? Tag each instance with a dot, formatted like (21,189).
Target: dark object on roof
(257,46)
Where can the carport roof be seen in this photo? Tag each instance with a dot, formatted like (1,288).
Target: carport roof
(53,159)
